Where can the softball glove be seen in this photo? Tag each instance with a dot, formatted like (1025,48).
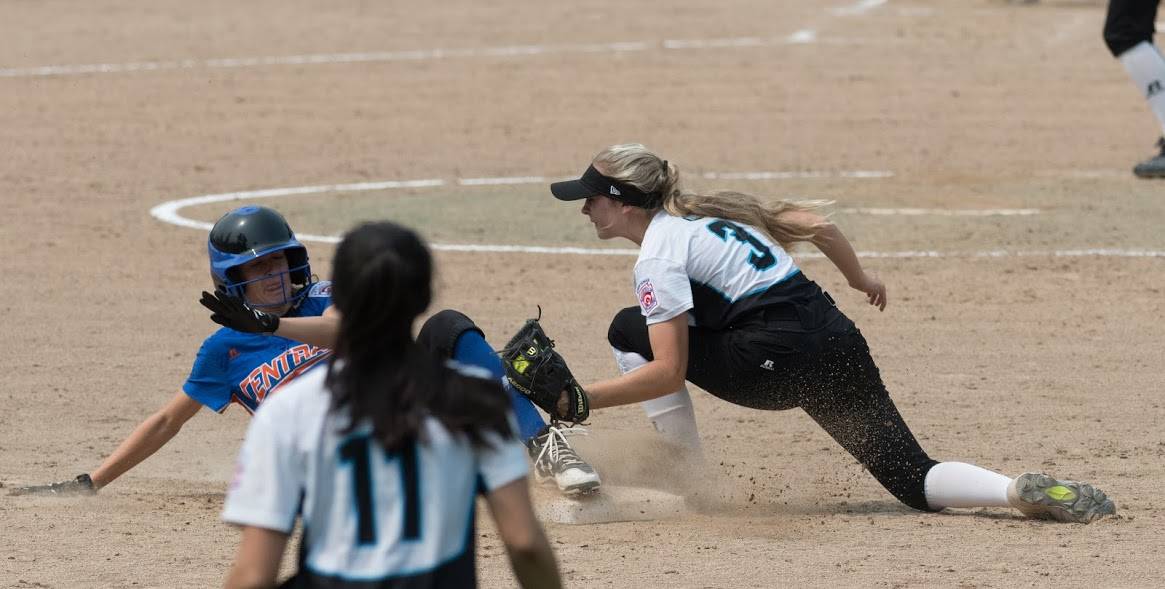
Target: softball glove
(540,373)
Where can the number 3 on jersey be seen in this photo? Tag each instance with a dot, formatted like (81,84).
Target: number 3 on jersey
(357,451)
(762,257)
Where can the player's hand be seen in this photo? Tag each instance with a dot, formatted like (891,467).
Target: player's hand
(81,485)
(563,404)
(230,311)
(874,289)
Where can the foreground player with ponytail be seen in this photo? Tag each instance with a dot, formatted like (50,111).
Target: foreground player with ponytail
(723,305)
(384,453)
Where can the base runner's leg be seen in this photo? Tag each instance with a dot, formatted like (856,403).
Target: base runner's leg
(472,349)
(453,335)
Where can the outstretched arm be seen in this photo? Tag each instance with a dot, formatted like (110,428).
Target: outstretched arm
(662,375)
(833,243)
(317,331)
(231,311)
(147,438)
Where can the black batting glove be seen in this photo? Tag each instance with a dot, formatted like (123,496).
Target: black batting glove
(230,311)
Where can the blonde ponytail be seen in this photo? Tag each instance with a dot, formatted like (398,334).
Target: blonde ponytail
(636,165)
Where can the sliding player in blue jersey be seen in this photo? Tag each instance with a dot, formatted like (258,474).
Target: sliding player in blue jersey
(257,264)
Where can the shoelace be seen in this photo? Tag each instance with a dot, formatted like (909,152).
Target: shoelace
(559,449)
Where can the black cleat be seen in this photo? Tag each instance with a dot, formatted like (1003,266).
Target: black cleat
(1153,167)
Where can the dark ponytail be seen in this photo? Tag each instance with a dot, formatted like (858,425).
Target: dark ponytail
(381,282)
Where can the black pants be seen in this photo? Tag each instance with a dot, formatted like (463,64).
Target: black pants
(780,360)
(1128,23)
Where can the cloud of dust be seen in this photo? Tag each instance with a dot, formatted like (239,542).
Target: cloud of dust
(645,459)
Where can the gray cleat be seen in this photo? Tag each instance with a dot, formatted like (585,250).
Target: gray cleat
(1043,497)
(1153,167)
(555,460)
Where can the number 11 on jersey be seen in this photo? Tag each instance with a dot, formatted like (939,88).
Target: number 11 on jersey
(358,451)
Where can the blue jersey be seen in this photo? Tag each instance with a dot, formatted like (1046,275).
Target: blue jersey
(244,368)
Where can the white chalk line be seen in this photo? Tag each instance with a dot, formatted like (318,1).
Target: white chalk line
(803,36)
(916,212)
(786,175)
(169,212)
(1068,253)
(1085,174)
(799,37)
(861,7)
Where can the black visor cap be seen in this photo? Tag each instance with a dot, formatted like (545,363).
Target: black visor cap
(592,183)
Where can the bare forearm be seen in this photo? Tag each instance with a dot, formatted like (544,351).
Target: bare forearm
(536,568)
(830,240)
(150,435)
(317,331)
(654,379)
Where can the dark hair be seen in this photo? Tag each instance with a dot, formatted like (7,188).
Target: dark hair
(381,282)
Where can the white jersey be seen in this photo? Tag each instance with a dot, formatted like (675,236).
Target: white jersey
(713,269)
(370,519)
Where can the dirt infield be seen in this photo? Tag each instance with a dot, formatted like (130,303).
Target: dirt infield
(1022,334)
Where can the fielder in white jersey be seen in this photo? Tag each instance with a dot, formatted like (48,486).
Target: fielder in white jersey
(722,304)
(383,455)
(716,269)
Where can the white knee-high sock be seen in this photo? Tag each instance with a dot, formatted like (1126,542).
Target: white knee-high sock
(1147,69)
(672,414)
(958,484)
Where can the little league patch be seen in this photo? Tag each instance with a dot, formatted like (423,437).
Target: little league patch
(646,294)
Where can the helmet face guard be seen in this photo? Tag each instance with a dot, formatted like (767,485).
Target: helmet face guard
(249,233)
